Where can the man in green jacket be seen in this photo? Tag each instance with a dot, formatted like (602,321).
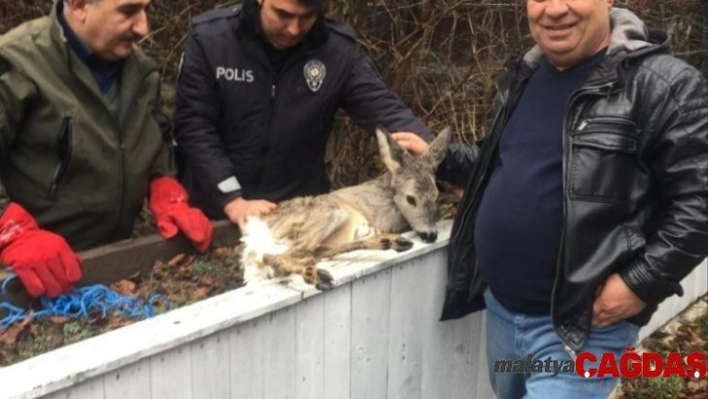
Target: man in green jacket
(82,142)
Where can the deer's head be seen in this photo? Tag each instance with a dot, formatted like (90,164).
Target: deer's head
(413,181)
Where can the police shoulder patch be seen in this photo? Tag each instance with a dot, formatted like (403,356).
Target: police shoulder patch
(5,67)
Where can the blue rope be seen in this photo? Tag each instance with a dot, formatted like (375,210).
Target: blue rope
(84,302)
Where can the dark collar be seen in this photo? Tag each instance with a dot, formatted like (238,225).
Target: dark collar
(105,73)
(81,49)
(84,52)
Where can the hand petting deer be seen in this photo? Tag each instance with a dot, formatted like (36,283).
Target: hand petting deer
(371,215)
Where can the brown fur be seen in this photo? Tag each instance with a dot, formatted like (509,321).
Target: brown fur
(370,215)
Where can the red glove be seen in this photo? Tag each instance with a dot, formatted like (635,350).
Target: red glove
(168,202)
(42,260)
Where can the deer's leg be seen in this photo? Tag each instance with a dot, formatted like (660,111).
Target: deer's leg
(313,228)
(301,256)
(285,265)
(380,241)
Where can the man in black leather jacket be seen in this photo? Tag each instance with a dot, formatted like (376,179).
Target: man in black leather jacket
(585,205)
(256,98)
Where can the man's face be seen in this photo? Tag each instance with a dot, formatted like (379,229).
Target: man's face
(110,27)
(286,22)
(569,31)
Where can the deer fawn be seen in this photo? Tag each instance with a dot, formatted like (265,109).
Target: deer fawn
(302,231)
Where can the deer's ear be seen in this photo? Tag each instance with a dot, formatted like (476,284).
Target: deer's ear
(436,150)
(392,154)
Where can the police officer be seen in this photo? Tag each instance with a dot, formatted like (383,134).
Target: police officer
(256,100)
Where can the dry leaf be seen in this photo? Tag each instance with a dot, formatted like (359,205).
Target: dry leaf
(222,252)
(58,319)
(184,272)
(158,272)
(238,275)
(179,260)
(9,336)
(124,287)
(175,261)
(199,293)
(116,322)
(696,385)
(205,281)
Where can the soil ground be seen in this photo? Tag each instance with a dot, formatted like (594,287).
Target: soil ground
(686,333)
(183,279)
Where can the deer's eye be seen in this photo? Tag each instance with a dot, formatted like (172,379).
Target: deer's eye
(410,200)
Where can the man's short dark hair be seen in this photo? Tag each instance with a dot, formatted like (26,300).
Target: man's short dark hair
(66,2)
(319,5)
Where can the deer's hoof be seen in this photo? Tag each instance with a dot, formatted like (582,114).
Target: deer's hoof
(428,236)
(326,280)
(402,244)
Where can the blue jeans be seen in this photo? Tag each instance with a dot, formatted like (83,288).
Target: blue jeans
(515,336)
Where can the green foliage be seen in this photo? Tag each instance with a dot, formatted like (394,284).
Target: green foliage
(702,325)
(202,267)
(74,330)
(653,388)
(233,264)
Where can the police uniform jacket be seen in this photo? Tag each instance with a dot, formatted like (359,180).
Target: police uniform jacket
(245,129)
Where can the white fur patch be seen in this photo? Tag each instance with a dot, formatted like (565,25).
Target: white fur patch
(258,241)
(363,230)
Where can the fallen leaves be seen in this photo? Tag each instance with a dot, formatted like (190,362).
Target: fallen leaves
(684,337)
(183,279)
(9,336)
(199,293)
(124,287)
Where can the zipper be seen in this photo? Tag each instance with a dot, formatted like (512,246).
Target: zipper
(269,127)
(271,111)
(604,120)
(570,352)
(566,155)
(271,107)
(64,155)
(121,151)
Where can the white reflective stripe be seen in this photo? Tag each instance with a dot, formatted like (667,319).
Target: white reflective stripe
(229,185)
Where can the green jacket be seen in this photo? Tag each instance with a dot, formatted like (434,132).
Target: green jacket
(80,171)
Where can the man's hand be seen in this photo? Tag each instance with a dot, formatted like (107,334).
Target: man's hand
(615,302)
(168,202)
(239,209)
(410,142)
(42,260)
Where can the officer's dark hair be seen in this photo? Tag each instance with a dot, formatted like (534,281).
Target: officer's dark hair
(318,5)
(90,1)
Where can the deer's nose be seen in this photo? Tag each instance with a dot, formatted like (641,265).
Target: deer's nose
(428,236)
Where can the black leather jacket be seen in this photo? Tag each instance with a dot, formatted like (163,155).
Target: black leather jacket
(635,172)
